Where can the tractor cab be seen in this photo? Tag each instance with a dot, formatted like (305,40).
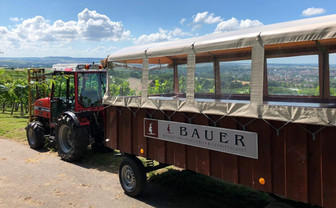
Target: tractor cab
(72,116)
(78,88)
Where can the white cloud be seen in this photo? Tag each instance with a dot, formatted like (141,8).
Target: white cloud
(38,33)
(15,19)
(162,35)
(3,30)
(207,18)
(89,26)
(182,21)
(101,50)
(195,27)
(235,24)
(95,26)
(313,11)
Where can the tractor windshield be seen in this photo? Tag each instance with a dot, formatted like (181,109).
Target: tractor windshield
(91,88)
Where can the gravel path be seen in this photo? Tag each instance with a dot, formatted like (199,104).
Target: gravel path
(29,178)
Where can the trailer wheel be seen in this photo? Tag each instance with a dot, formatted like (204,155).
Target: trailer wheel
(35,135)
(71,140)
(132,176)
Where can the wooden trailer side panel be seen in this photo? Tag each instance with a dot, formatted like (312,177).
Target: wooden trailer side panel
(111,127)
(223,165)
(294,163)
(278,159)
(314,168)
(262,166)
(176,153)
(328,150)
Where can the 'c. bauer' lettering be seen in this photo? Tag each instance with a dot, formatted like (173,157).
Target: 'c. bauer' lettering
(223,136)
(195,132)
(239,138)
(183,131)
(206,135)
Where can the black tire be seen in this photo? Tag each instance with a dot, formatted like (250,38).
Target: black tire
(35,135)
(132,176)
(71,140)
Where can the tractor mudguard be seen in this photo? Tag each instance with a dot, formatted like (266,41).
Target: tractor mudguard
(73,116)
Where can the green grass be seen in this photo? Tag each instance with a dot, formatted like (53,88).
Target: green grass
(13,127)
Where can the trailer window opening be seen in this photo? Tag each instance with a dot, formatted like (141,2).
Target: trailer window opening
(182,79)
(293,76)
(125,81)
(204,80)
(332,72)
(235,77)
(160,81)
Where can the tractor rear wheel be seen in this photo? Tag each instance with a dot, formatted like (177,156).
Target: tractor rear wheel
(35,135)
(71,140)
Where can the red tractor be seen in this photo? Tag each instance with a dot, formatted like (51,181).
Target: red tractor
(72,116)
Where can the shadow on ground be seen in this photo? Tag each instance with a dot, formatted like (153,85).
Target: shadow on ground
(171,187)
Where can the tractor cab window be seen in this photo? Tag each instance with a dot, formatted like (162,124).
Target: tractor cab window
(63,96)
(91,89)
(65,89)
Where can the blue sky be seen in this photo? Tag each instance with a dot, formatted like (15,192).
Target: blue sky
(86,28)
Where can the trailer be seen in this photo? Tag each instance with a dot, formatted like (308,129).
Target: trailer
(275,132)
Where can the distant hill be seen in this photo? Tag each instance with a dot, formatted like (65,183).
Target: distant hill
(45,62)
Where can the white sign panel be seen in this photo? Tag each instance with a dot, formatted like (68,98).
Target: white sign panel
(236,142)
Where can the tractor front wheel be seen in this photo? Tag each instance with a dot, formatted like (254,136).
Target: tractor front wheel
(71,140)
(35,135)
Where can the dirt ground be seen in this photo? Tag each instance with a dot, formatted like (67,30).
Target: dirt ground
(29,178)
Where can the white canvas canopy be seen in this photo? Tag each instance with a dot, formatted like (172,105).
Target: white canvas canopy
(319,30)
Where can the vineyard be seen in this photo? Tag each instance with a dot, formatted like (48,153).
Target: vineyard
(235,79)
(14,91)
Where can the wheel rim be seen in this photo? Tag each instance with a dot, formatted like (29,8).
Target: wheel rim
(65,138)
(128,178)
(31,136)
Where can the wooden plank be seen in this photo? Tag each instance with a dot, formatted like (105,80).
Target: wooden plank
(223,165)
(278,159)
(262,167)
(296,163)
(191,153)
(191,157)
(176,153)
(142,140)
(245,164)
(111,128)
(176,79)
(202,155)
(328,144)
(324,85)
(160,146)
(216,164)
(217,79)
(179,149)
(314,167)
(125,131)
(135,132)
(170,153)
